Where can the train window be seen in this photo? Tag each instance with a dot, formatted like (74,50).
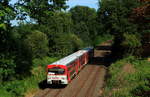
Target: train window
(56,70)
(72,72)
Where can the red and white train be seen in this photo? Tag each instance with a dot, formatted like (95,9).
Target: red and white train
(63,70)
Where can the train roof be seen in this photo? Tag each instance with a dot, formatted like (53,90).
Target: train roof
(68,59)
(88,48)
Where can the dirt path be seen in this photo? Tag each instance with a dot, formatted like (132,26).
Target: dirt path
(88,82)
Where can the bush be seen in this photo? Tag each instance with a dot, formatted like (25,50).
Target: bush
(131,43)
(7,69)
(13,88)
(44,61)
(5,93)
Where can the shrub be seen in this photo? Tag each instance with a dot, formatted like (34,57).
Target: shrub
(130,43)
(43,61)
(13,88)
(5,93)
(7,69)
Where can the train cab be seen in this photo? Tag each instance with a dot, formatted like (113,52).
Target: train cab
(57,74)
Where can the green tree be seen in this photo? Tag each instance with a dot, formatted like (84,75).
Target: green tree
(65,44)
(6,14)
(84,20)
(38,43)
(7,43)
(40,10)
(59,22)
(114,15)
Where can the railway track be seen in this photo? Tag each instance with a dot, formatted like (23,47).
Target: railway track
(86,84)
(92,85)
(83,82)
(78,81)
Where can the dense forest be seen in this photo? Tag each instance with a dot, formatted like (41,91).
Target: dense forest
(54,32)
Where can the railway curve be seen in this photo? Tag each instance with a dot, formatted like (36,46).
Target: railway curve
(88,82)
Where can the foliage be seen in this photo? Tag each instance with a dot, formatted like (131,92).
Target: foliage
(100,39)
(85,24)
(130,82)
(38,43)
(23,60)
(40,9)
(141,16)
(20,32)
(57,22)
(7,67)
(76,42)
(27,48)
(18,88)
(5,93)
(7,64)
(7,13)
(113,14)
(65,44)
(115,17)
(44,61)
(131,42)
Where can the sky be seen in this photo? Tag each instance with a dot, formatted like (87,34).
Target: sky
(90,3)
(71,3)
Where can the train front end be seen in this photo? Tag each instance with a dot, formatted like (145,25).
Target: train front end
(56,74)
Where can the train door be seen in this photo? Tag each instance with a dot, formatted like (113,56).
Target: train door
(86,58)
(68,75)
(71,70)
(76,66)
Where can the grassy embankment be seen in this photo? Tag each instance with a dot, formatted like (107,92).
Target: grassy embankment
(128,77)
(28,86)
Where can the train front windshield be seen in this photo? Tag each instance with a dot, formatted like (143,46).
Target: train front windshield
(56,70)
